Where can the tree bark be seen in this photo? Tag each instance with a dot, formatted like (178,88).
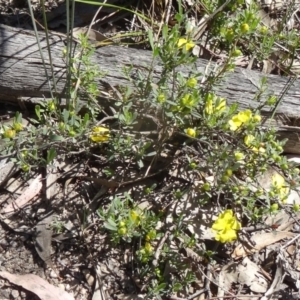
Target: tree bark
(22,77)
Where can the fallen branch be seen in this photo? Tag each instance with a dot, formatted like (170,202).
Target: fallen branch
(22,77)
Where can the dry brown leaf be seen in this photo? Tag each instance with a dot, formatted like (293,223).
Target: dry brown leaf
(261,241)
(7,170)
(33,189)
(43,239)
(245,272)
(38,286)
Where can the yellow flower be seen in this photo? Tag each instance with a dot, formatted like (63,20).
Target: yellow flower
(191,132)
(234,123)
(245,115)
(226,226)
(9,133)
(100,134)
(191,82)
(279,186)
(239,119)
(181,42)
(184,42)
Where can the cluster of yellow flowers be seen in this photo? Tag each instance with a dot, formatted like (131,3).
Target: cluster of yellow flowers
(226,226)
(243,118)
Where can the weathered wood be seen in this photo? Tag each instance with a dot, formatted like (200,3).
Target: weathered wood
(22,75)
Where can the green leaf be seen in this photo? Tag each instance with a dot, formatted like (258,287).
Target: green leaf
(18,117)
(110,225)
(33,121)
(165,31)
(151,153)
(56,138)
(66,115)
(51,153)
(150,36)
(38,111)
(140,164)
(86,119)
(177,287)
(160,287)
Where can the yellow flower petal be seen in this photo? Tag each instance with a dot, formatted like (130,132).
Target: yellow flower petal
(227,214)
(100,129)
(235,123)
(189,46)
(184,42)
(100,134)
(257,118)
(181,42)
(248,139)
(235,224)
(99,138)
(227,235)
(219,225)
(278,181)
(245,115)
(209,106)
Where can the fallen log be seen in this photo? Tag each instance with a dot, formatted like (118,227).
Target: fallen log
(22,77)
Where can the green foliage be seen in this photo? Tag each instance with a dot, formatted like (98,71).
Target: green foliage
(153,114)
